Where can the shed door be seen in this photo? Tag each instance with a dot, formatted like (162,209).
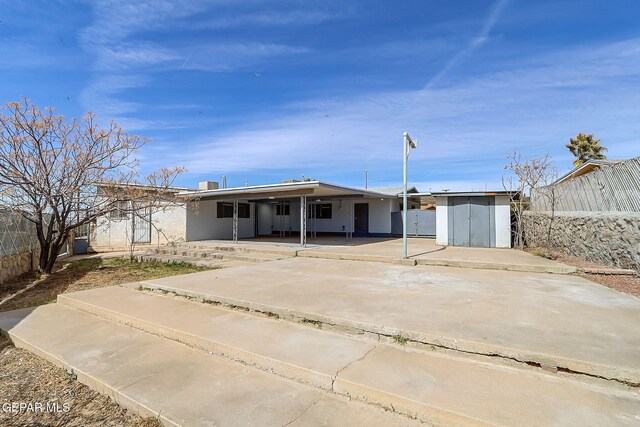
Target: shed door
(472,221)
(481,222)
(459,221)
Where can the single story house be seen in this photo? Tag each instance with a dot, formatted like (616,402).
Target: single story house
(281,210)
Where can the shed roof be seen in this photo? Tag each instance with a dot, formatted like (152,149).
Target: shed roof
(470,193)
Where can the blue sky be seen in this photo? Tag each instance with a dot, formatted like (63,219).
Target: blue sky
(269,90)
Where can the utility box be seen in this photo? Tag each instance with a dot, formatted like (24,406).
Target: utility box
(208,185)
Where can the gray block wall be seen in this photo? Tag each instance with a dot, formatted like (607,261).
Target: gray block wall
(611,238)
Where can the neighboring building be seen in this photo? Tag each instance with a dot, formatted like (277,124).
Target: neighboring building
(160,224)
(473,218)
(585,168)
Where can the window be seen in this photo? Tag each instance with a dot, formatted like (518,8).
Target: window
(121,211)
(283,209)
(244,210)
(322,210)
(225,210)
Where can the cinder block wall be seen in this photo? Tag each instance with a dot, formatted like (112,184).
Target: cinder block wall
(611,238)
(14,265)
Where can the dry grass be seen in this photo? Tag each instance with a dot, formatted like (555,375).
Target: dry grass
(25,377)
(627,284)
(81,275)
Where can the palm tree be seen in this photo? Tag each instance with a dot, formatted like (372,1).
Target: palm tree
(585,147)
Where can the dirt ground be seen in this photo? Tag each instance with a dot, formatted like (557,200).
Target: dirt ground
(623,283)
(27,378)
(80,275)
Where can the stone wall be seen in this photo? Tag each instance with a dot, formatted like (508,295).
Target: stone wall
(611,238)
(14,265)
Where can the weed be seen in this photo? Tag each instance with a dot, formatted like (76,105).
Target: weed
(399,339)
(316,323)
(72,375)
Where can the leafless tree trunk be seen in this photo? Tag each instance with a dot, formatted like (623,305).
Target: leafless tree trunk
(520,177)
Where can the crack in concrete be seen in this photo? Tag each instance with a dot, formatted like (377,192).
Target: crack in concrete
(335,376)
(303,412)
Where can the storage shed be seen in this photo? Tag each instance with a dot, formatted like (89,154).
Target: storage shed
(473,218)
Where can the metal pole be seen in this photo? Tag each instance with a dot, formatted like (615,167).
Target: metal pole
(366,179)
(405,155)
(303,221)
(235,221)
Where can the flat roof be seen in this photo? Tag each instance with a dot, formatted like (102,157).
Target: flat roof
(470,193)
(287,190)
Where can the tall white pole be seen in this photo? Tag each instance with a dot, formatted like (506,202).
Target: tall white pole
(405,155)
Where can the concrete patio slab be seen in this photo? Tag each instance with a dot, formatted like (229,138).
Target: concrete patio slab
(179,384)
(424,251)
(424,385)
(553,320)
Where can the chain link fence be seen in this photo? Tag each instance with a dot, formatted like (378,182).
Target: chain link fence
(17,235)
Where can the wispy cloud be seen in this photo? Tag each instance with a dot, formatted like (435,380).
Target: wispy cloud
(124,59)
(475,43)
(290,17)
(532,107)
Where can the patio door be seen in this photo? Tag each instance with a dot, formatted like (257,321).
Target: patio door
(361,219)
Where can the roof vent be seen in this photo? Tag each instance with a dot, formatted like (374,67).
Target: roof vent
(208,185)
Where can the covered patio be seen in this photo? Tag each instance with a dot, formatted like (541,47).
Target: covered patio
(297,212)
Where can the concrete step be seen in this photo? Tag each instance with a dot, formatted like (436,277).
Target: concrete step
(178,384)
(485,265)
(430,386)
(211,253)
(242,248)
(513,316)
(197,261)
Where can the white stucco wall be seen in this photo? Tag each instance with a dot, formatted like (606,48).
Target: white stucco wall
(503,222)
(203,223)
(341,217)
(442,221)
(380,215)
(168,225)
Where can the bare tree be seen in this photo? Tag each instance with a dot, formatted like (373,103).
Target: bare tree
(520,177)
(549,193)
(53,172)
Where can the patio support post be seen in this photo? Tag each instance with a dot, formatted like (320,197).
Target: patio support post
(235,221)
(303,221)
